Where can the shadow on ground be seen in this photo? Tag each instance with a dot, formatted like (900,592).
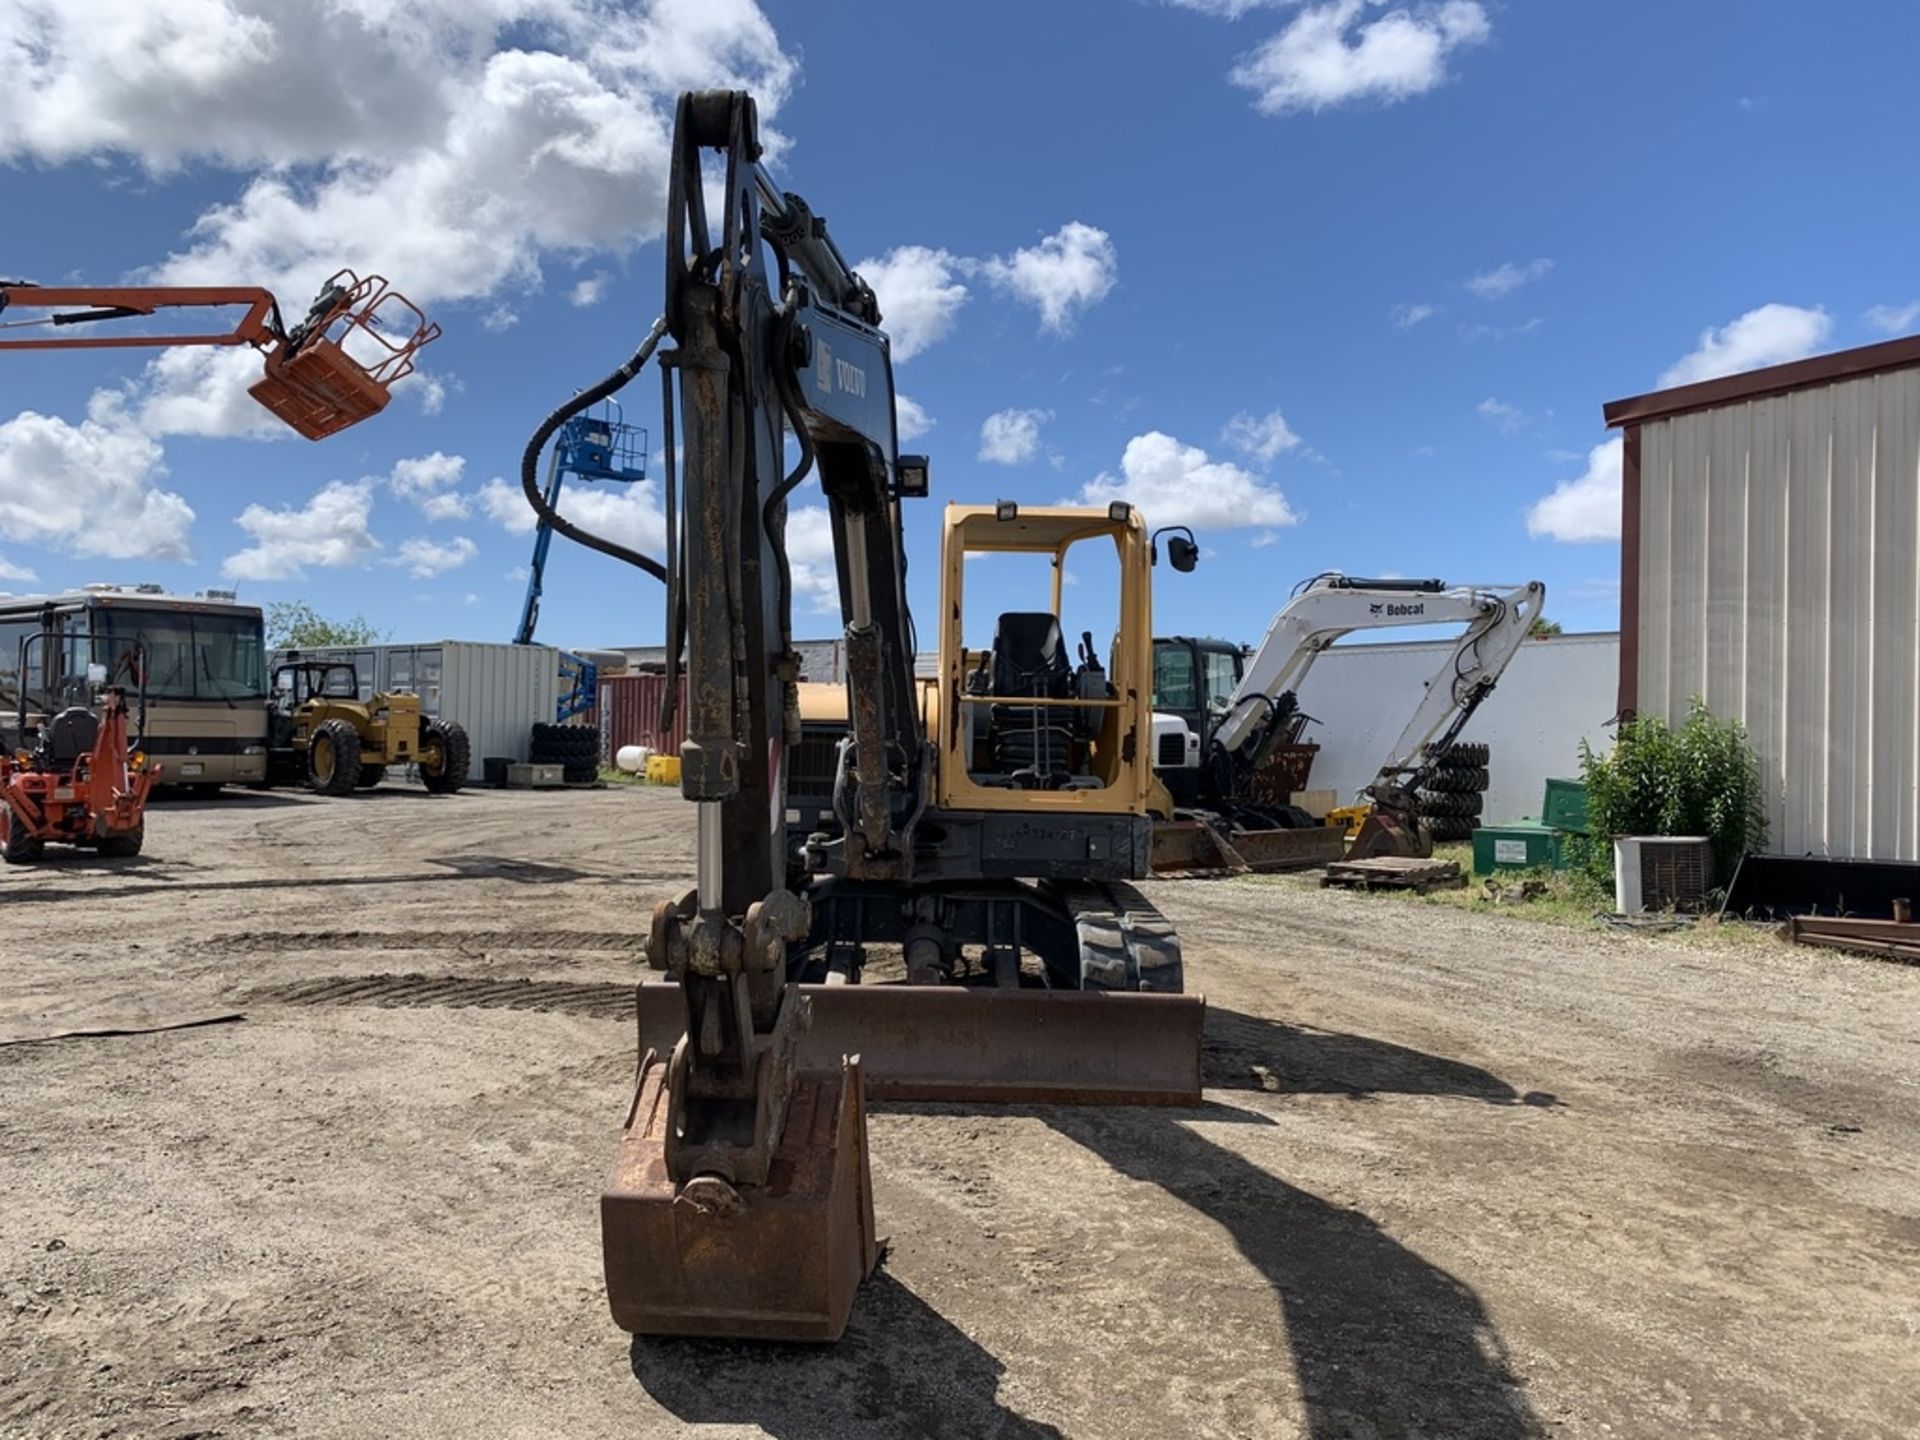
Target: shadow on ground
(900,1370)
(1384,1343)
(1246,1052)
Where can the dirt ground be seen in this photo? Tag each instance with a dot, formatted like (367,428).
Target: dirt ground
(1456,1175)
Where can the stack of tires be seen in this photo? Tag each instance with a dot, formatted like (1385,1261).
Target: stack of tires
(575,748)
(1455,791)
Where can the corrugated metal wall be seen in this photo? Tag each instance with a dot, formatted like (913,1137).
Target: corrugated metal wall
(630,714)
(498,692)
(1556,693)
(1779,548)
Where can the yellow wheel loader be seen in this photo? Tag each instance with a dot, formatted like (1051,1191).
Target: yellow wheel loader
(321,733)
(922,891)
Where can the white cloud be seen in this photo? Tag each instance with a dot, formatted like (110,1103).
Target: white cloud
(424,558)
(1500,332)
(628,515)
(1408,316)
(1770,335)
(452,145)
(472,597)
(1585,508)
(427,390)
(499,319)
(1508,419)
(1174,483)
(590,291)
(1223,9)
(423,475)
(448,145)
(919,293)
(1067,272)
(330,531)
(1508,277)
(10,571)
(1263,437)
(810,557)
(1332,54)
(506,505)
(910,418)
(1262,540)
(450,506)
(518,572)
(429,481)
(1894,319)
(1012,437)
(89,489)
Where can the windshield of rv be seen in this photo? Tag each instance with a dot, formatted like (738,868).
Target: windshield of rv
(190,655)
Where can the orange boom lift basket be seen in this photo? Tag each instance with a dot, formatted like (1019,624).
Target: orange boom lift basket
(334,369)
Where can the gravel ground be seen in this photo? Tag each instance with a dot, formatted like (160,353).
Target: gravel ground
(1457,1175)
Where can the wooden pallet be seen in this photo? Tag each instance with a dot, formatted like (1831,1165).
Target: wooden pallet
(1395,873)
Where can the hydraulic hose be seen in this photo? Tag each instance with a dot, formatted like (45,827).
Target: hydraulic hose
(530,460)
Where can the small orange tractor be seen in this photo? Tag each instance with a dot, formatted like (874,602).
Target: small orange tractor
(81,783)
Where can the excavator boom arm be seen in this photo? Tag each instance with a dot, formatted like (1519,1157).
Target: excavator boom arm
(1495,622)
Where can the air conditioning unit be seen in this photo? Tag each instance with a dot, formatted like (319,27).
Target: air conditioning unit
(1661,872)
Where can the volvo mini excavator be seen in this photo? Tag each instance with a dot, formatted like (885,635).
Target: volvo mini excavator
(984,827)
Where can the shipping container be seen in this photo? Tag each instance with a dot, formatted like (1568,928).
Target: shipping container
(630,714)
(496,691)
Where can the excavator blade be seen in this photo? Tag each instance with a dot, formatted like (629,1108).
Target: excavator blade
(780,1261)
(977,1045)
(1269,851)
(1199,849)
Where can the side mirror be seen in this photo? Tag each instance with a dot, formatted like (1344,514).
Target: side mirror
(1183,551)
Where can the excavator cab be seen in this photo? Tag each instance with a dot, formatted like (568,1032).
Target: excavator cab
(1043,721)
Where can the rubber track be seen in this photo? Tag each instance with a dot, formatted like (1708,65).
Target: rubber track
(611,1000)
(1125,943)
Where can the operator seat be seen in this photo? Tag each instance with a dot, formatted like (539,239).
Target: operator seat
(68,736)
(1031,743)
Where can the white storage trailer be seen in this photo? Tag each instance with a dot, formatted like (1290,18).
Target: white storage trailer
(497,691)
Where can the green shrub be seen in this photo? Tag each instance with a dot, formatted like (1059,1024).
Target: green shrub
(1702,779)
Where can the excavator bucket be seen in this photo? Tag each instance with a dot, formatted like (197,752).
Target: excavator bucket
(1387,834)
(1198,849)
(340,366)
(780,1261)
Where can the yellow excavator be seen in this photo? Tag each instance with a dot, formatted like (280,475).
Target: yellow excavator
(905,889)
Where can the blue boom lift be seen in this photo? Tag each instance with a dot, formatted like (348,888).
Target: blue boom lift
(589,447)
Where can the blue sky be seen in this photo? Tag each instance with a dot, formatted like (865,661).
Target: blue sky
(1342,283)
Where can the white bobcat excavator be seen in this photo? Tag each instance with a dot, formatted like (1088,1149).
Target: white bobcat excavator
(1207,755)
